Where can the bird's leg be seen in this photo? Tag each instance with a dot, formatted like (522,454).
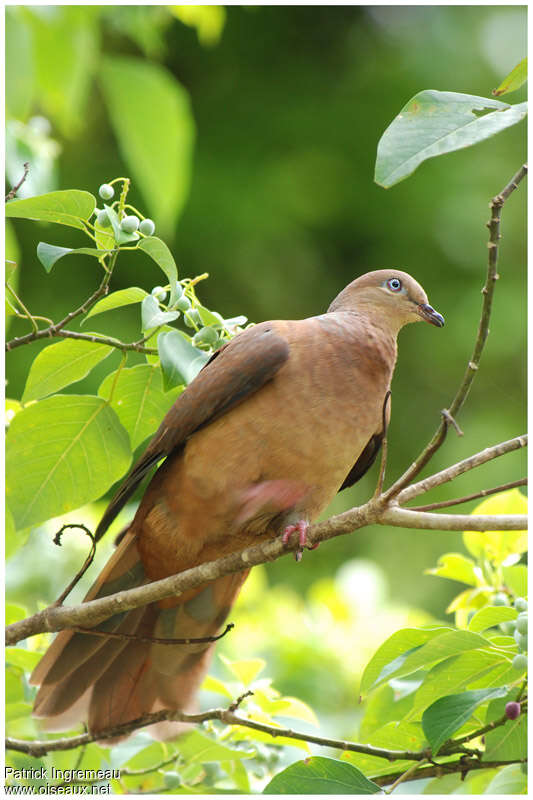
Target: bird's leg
(301,526)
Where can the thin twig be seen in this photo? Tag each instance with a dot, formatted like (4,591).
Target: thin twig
(448,474)
(86,564)
(464,765)
(153,639)
(53,332)
(431,448)
(482,493)
(405,776)
(12,192)
(93,612)
(57,329)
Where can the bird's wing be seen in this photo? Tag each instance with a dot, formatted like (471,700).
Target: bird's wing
(235,371)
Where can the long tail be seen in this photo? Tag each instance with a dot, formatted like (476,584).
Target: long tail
(109,681)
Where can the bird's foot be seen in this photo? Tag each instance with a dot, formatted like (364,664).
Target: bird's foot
(301,526)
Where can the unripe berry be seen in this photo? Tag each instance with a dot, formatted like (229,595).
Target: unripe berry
(508,627)
(147,226)
(520,662)
(130,224)
(520,604)
(521,622)
(103,220)
(205,336)
(183,304)
(159,293)
(512,710)
(106,191)
(192,318)
(521,641)
(500,599)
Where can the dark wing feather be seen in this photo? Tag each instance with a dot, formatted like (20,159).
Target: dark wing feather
(237,370)
(364,462)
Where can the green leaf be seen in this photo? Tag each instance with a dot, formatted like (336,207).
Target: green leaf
(61,364)
(155,130)
(396,646)
(455,674)
(212,684)
(180,360)
(392,736)
(124,297)
(196,747)
(68,207)
(15,612)
(65,48)
(20,657)
(507,781)
(61,453)
(448,714)
(152,316)
(499,546)
(490,616)
(319,775)
(162,256)
(48,254)
(509,741)
(245,670)
(433,123)
(516,78)
(515,579)
(456,567)
(139,400)
(17,710)
(121,237)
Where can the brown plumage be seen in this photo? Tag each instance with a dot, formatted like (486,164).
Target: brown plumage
(281,418)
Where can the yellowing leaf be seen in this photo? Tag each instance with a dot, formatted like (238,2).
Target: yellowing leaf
(498,546)
(247,670)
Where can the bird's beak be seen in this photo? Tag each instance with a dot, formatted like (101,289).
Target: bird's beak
(428,313)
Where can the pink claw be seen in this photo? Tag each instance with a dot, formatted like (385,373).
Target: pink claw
(301,526)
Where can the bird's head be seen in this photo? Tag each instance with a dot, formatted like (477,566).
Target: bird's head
(390,294)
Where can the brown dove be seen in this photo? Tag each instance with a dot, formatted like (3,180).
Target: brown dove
(277,422)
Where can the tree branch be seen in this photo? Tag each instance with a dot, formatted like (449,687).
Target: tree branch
(12,192)
(431,448)
(461,467)
(482,493)
(464,765)
(375,511)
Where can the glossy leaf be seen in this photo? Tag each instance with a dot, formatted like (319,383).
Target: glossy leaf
(62,452)
(448,714)
(48,254)
(490,616)
(69,207)
(319,775)
(499,546)
(162,256)
(152,316)
(391,736)
(180,360)
(516,78)
(515,578)
(455,674)
(457,567)
(507,781)
(433,123)
(507,742)
(61,364)
(155,130)
(195,746)
(123,297)
(139,400)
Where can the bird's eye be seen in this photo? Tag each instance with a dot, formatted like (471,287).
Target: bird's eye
(394,284)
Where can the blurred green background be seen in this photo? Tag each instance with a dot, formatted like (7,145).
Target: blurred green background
(250,134)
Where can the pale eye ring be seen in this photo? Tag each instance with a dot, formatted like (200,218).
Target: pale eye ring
(394,284)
